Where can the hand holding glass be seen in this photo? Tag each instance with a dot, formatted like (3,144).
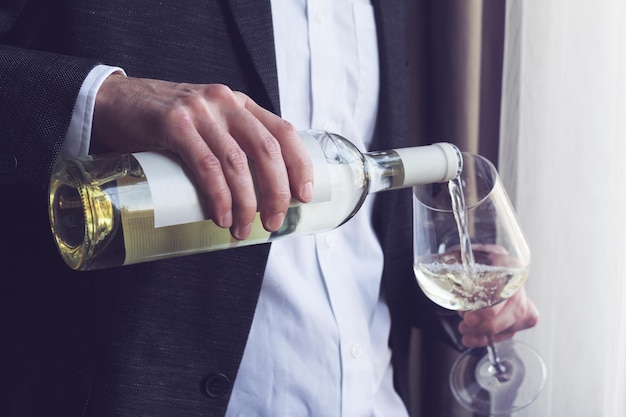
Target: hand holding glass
(469,254)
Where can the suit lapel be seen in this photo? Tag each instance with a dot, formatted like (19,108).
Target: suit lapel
(254,21)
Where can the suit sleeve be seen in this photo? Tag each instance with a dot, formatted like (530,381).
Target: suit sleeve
(38,91)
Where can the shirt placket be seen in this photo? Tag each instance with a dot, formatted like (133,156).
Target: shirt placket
(329,92)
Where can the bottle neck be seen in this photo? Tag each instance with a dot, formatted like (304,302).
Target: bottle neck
(385,171)
(407,167)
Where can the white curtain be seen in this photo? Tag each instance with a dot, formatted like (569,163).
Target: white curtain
(563,159)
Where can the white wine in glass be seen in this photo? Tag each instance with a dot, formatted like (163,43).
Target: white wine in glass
(470,253)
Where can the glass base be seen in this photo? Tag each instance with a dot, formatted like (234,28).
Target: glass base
(478,386)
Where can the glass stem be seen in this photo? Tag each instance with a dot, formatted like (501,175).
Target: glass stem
(498,368)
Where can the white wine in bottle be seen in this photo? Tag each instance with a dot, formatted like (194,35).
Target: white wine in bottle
(115,210)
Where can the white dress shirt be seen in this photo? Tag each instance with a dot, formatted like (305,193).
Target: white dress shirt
(318,343)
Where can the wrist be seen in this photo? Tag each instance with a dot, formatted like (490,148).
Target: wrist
(78,136)
(104,103)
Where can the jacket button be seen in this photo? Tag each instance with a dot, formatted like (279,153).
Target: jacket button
(8,163)
(217,385)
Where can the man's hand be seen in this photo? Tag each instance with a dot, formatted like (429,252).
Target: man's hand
(501,321)
(216,132)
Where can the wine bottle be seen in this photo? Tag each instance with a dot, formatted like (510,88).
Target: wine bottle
(114,210)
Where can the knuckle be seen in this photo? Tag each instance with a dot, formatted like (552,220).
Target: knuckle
(209,163)
(176,124)
(189,97)
(282,195)
(246,209)
(241,97)
(218,90)
(270,148)
(220,203)
(276,199)
(285,128)
(532,321)
(236,159)
(179,116)
(222,93)
(217,192)
(221,199)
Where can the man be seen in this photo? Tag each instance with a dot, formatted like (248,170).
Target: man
(296,328)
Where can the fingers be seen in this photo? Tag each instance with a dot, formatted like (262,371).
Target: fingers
(222,172)
(297,160)
(265,154)
(233,143)
(220,135)
(274,149)
(502,321)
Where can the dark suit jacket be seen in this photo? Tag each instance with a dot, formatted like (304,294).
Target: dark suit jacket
(163,338)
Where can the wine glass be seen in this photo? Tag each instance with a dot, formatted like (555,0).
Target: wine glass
(469,254)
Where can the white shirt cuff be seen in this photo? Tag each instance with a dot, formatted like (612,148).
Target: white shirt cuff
(78,136)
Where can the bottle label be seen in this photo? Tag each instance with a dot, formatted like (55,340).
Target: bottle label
(176,198)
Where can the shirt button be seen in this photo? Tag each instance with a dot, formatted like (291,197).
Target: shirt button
(217,385)
(356,350)
(329,239)
(8,163)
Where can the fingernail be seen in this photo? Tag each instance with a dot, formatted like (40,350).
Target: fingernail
(307,191)
(227,220)
(275,222)
(243,232)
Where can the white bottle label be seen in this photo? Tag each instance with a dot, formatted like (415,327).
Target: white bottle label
(176,199)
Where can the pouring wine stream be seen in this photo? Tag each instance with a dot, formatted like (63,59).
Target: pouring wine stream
(455,186)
